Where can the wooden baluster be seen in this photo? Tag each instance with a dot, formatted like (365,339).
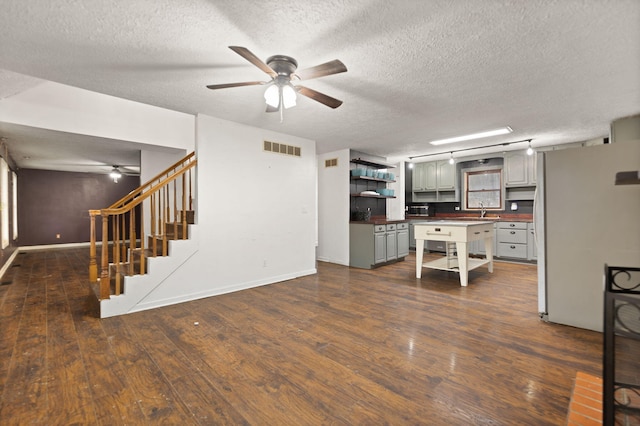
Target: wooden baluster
(104,251)
(184,207)
(190,193)
(154,246)
(175,210)
(164,220)
(123,238)
(93,266)
(132,238)
(116,251)
(142,245)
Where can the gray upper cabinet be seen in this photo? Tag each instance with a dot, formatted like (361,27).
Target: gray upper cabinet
(434,176)
(519,169)
(418,177)
(446,175)
(430,177)
(515,168)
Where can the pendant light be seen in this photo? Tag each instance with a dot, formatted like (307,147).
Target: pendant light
(529,150)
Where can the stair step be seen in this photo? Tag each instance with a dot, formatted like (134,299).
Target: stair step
(170,229)
(158,239)
(148,252)
(123,268)
(191,216)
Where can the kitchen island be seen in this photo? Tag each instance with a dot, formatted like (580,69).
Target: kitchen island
(460,233)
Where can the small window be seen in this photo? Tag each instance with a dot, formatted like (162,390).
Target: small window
(484,189)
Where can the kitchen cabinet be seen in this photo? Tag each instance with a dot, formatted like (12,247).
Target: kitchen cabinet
(435,181)
(446,176)
(373,245)
(520,176)
(434,176)
(392,242)
(425,177)
(402,238)
(380,244)
(519,169)
(512,240)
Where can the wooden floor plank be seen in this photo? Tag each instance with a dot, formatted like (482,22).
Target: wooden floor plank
(342,346)
(67,384)
(24,398)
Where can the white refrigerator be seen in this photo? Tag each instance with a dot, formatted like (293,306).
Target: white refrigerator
(584,221)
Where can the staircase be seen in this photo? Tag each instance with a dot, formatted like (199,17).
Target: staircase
(144,237)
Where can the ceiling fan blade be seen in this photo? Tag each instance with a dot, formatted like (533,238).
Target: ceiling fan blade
(319,97)
(226,85)
(272,109)
(246,53)
(328,68)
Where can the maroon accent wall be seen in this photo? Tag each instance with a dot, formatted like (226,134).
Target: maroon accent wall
(53,202)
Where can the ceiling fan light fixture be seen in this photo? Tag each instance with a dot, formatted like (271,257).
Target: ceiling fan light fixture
(272,96)
(489,133)
(115,174)
(288,96)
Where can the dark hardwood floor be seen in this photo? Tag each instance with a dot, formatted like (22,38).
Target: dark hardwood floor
(345,346)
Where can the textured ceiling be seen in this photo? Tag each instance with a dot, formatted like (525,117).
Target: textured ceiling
(419,70)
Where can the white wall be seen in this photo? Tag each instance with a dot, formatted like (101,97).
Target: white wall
(64,108)
(152,163)
(395,206)
(256,212)
(333,208)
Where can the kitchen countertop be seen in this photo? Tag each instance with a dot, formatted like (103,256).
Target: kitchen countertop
(378,220)
(457,222)
(509,217)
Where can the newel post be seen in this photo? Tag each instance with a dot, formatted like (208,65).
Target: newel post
(93,265)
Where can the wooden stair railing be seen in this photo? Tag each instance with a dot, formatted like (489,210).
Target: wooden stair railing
(169,209)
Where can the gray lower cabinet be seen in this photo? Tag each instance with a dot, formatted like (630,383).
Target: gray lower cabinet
(512,240)
(370,245)
(402,239)
(380,245)
(392,242)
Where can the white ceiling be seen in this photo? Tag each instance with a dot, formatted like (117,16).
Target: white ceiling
(419,70)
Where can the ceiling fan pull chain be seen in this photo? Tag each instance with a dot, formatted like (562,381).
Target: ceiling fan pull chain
(281,106)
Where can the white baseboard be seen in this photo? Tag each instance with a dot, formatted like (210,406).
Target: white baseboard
(55,246)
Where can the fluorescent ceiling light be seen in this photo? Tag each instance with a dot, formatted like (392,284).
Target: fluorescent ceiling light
(501,131)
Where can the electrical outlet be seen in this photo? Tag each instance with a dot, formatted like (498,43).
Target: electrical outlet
(57,236)
(457,208)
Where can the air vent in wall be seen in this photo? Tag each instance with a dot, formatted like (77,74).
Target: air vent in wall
(332,162)
(281,148)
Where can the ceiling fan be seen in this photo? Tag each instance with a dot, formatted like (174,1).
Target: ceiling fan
(282,70)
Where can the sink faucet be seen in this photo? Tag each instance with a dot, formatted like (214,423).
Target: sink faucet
(483,211)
